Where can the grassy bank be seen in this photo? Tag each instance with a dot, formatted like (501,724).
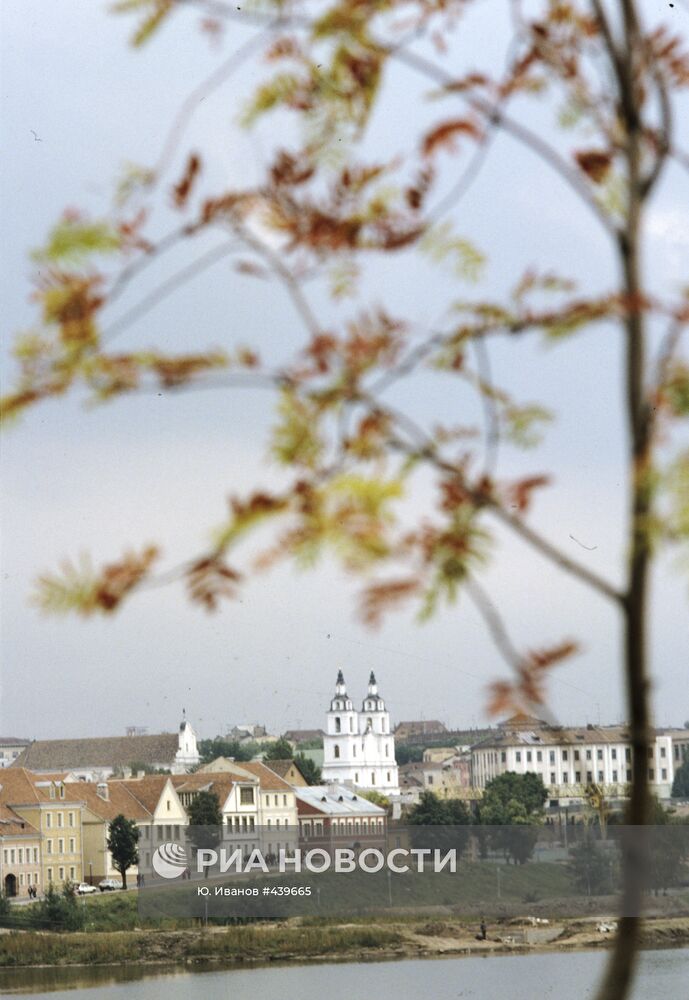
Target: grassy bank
(418,938)
(232,944)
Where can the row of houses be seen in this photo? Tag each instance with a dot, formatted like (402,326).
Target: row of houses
(54,827)
(568,760)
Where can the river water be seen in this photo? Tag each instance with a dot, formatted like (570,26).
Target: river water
(663,975)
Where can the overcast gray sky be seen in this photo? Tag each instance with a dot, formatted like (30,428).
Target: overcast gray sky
(77,104)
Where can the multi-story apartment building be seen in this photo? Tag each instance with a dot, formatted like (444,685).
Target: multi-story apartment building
(239,799)
(20,854)
(54,809)
(569,759)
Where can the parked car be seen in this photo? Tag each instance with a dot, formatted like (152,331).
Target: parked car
(83,889)
(109,884)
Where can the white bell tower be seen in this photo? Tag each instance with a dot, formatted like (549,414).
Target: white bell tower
(358,747)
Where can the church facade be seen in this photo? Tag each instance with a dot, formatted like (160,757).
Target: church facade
(358,746)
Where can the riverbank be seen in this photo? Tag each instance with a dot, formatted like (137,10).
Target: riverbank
(297,942)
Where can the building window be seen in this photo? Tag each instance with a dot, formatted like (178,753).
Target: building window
(552,756)
(518,756)
(664,774)
(60,846)
(539,756)
(61,874)
(336,751)
(50,874)
(662,752)
(565,777)
(48,847)
(529,756)
(275,799)
(614,776)
(338,724)
(650,752)
(629,775)
(576,755)
(373,778)
(267,800)
(284,800)
(389,778)
(552,777)
(577,776)
(356,777)
(48,819)
(430,779)
(246,796)
(600,777)
(72,873)
(613,753)
(72,847)
(588,755)
(589,777)
(599,754)
(60,819)
(651,774)
(564,755)
(70,819)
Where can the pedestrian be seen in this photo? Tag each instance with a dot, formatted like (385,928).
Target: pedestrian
(483,930)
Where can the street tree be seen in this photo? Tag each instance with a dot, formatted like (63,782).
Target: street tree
(349,439)
(205,821)
(123,838)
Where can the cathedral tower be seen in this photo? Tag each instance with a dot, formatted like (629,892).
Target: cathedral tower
(358,747)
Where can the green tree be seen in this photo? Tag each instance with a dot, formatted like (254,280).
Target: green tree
(308,768)
(527,791)
(405,753)
(58,910)
(376,797)
(680,784)
(123,838)
(593,867)
(439,823)
(279,750)
(232,749)
(205,821)
(352,450)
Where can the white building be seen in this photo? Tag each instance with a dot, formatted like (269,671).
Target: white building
(569,759)
(358,746)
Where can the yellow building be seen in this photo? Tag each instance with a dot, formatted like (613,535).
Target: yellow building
(54,809)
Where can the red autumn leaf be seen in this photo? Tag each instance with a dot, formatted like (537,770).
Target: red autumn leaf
(595,163)
(182,190)
(520,492)
(380,597)
(445,135)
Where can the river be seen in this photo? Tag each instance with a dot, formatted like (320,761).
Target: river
(663,975)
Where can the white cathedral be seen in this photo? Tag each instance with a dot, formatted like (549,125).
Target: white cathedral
(358,747)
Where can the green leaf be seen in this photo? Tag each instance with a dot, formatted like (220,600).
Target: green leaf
(442,246)
(72,240)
